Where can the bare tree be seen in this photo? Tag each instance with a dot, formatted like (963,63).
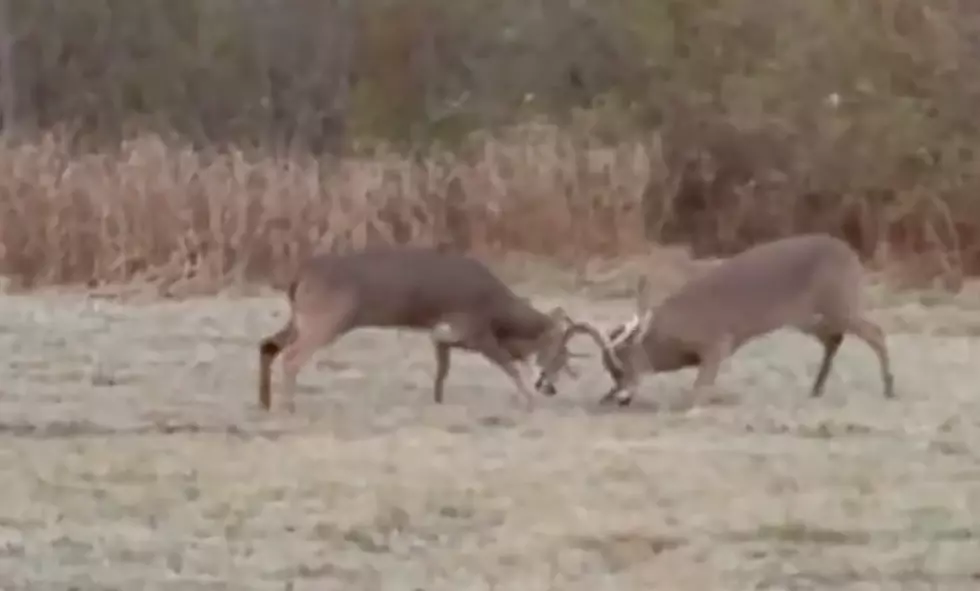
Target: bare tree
(8,88)
(306,53)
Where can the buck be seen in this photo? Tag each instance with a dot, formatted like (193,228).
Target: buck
(457,299)
(809,282)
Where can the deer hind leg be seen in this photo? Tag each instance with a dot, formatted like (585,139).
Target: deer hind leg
(871,333)
(313,332)
(831,341)
(445,335)
(269,349)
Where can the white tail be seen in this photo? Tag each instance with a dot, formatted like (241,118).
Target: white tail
(456,298)
(810,282)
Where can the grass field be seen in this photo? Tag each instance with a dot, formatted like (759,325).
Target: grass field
(133,457)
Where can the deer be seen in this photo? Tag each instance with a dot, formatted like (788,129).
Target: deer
(454,297)
(808,282)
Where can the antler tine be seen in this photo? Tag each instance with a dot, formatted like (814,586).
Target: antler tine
(575,328)
(628,331)
(638,326)
(645,322)
(589,330)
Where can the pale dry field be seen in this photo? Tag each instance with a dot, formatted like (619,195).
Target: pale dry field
(133,457)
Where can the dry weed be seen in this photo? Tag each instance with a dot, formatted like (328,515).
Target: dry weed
(188,219)
(167,213)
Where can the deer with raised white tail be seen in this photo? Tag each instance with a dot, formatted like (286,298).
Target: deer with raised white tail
(456,298)
(810,282)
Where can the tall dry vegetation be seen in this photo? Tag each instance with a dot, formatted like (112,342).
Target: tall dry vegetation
(167,211)
(257,132)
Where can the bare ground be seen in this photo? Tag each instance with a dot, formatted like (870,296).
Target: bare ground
(134,458)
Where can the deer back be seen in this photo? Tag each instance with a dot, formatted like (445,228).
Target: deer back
(409,286)
(777,283)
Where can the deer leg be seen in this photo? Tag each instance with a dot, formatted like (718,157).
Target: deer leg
(711,360)
(269,349)
(628,383)
(624,395)
(442,369)
(491,348)
(611,395)
(871,333)
(312,333)
(831,342)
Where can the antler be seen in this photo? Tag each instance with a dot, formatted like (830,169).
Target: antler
(584,328)
(635,329)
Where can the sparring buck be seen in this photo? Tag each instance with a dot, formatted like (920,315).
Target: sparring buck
(810,282)
(457,299)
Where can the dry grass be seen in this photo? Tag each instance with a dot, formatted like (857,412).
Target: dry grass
(134,458)
(165,212)
(190,220)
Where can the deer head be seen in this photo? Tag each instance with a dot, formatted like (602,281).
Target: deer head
(552,352)
(554,356)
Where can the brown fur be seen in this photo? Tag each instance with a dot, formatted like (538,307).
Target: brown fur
(811,282)
(457,298)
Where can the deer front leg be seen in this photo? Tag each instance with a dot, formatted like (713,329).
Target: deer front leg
(621,394)
(487,344)
(626,377)
(831,343)
(711,357)
(269,348)
(610,396)
(442,369)
(461,332)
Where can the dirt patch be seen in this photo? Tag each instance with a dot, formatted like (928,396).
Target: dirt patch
(134,457)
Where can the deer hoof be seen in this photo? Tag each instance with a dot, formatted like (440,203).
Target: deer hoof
(546,388)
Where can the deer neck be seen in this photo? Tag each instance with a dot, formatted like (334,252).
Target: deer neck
(523,322)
